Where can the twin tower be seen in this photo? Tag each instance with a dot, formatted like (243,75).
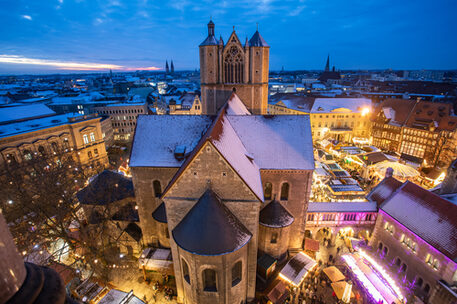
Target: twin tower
(229,67)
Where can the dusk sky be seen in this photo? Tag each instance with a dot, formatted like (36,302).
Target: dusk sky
(61,35)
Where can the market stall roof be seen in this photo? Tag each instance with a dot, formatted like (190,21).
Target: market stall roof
(279,293)
(312,245)
(334,274)
(156,259)
(339,287)
(399,170)
(296,269)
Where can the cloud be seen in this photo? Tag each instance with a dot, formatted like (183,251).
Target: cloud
(297,11)
(28,17)
(66,65)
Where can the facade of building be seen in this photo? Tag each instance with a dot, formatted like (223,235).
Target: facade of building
(415,236)
(421,129)
(343,119)
(229,67)
(213,186)
(23,139)
(187,104)
(123,118)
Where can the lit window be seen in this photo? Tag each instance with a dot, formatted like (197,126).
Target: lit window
(432,261)
(92,137)
(86,139)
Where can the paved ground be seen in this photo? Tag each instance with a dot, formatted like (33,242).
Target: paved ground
(132,278)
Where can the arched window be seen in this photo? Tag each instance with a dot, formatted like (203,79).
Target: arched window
(27,155)
(209,280)
(267,191)
(380,246)
(285,191)
(233,65)
(398,262)
(157,188)
(419,282)
(427,289)
(403,268)
(274,238)
(385,250)
(41,150)
(237,270)
(185,271)
(54,147)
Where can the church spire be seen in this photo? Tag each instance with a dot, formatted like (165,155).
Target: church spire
(167,69)
(172,67)
(327,65)
(210,28)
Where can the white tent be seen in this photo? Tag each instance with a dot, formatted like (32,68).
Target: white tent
(401,171)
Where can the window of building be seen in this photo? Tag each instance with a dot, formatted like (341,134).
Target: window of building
(310,217)
(237,270)
(54,147)
(274,238)
(432,261)
(27,155)
(380,246)
(419,282)
(398,262)
(185,271)
(92,137)
(41,150)
(403,268)
(89,154)
(85,139)
(209,280)
(408,242)
(328,217)
(157,188)
(285,191)
(350,217)
(96,152)
(385,251)
(368,217)
(389,227)
(427,289)
(267,191)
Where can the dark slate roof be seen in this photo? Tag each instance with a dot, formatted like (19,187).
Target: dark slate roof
(126,213)
(209,228)
(257,40)
(102,190)
(427,215)
(274,215)
(134,231)
(384,190)
(160,214)
(210,40)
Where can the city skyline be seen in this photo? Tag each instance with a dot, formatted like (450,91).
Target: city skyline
(77,35)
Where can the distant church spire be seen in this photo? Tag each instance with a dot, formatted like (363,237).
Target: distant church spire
(327,65)
(172,67)
(167,69)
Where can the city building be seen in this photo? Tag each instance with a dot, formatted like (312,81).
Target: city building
(40,131)
(232,67)
(419,129)
(215,186)
(123,118)
(415,236)
(186,104)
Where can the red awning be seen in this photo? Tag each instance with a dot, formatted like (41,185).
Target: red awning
(311,244)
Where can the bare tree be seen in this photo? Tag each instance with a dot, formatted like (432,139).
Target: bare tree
(39,203)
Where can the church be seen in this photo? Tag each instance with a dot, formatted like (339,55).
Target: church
(223,188)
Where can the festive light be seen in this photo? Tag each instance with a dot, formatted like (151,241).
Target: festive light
(381,270)
(350,261)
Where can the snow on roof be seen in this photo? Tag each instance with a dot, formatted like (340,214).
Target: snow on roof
(297,268)
(24,112)
(35,124)
(293,101)
(276,142)
(326,105)
(342,207)
(236,107)
(275,215)
(115,296)
(157,136)
(427,215)
(227,142)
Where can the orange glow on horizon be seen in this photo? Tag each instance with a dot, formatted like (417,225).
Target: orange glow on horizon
(65,65)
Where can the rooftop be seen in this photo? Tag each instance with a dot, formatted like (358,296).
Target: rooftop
(275,215)
(337,105)
(21,113)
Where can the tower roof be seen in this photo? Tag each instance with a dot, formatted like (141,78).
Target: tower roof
(327,65)
(210,40)
(274,215)
(257,40)
(210,228)
(160,214)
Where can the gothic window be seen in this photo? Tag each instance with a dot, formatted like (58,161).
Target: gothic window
(285,192)
(233,65)
(41,150)
(157,188)
(237,273)
(267,191)
(209,280)
(185,271)
(427,289)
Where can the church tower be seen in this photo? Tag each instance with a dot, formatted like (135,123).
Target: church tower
(229,67)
